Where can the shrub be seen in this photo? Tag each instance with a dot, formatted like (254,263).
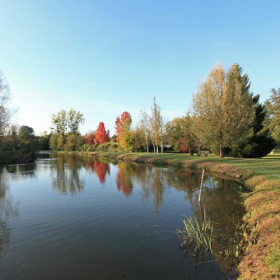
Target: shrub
(103,147)
(73,142)
(113,147)
(86,148)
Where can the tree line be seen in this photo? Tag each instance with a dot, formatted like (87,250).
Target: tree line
(226,118)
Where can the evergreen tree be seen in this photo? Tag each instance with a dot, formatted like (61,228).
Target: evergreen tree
(259,143)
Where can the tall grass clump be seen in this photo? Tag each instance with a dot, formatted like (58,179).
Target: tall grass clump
(198,234)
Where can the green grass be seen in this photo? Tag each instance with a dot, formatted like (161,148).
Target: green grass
(262,176)
(268,166)
(273,258)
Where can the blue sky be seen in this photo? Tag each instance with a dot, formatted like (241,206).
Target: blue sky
(104,57)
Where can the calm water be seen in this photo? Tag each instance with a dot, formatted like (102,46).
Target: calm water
(67,217)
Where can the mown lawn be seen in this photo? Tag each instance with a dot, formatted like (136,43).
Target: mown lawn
(262,204)
(268,166)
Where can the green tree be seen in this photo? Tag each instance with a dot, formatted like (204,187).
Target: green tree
(26,132)
(157,127)
(60,142)
(73,142)
(259,143)
(145,128)
(53,141)
(273,109)
(138,139)
(180,135)
(5,113)
(74,120)
(222,115)
(59,122)
(44,141)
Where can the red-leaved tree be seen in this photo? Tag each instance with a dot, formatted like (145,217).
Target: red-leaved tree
(89,137)
(122,123)
(102,136)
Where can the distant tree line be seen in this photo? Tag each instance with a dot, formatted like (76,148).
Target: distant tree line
(17,144)
(226,118)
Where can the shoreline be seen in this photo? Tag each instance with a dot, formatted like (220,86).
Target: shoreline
(262,206)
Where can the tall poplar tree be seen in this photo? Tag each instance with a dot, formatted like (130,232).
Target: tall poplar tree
(273,107)
(145,127)
(157,127)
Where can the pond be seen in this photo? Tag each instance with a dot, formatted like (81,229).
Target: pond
(74,217)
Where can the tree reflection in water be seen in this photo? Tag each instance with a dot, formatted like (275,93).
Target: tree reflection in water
(221,199)
(124,178)
(66,177)
(101,168)
(222,202)
(8,209)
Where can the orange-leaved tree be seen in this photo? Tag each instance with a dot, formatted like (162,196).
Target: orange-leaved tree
(102,136)
(122,126)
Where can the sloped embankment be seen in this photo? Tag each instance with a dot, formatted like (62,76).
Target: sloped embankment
(262,259)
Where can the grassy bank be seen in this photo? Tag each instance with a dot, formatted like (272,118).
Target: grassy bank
(262,176)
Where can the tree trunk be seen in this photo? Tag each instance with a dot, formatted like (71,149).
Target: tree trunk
(161,148)
(147,144)
(221,149)
(157,149)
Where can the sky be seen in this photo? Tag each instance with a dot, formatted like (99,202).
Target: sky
(104,57)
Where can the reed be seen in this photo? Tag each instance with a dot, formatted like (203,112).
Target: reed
(197,234)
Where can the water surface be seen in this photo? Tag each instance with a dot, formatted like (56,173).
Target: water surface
(73,217)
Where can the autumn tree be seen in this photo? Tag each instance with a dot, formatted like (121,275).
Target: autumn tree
(5,113)
(53,141)
(180,134)
(157,127)
(273,108)
(123,131)
(60,122)
(74,120)
(222,115)
(73,142)
(122,124)
(60,142)
(65,122)
(145,127)
(89,137)
(138,141)
(102,136)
